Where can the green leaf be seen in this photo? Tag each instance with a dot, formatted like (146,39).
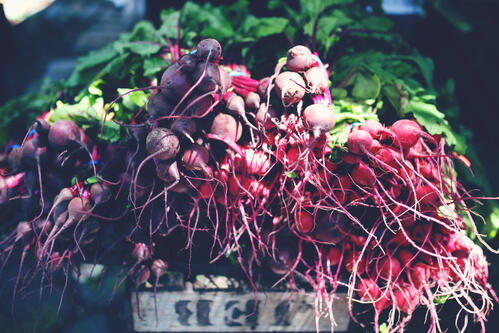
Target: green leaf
(141,48)
(169,26)
(154,65)
(143,30)
(378,23)
(95,58)
(290,174)
(263,27)
(397,96)
(134,99)
(365,85)
(441,299)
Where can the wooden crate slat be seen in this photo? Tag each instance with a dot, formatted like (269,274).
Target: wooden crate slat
(228,310)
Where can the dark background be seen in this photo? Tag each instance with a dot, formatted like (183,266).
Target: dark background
(48,44)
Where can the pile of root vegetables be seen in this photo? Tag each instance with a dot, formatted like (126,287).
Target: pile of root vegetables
(253,164)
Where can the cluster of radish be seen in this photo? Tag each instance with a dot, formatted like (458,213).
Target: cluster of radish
(252,163)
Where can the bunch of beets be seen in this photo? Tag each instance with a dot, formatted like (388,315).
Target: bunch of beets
(252,164)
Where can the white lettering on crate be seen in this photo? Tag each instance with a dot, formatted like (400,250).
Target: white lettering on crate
(230,311)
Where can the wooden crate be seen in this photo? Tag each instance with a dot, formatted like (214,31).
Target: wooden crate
(216,304)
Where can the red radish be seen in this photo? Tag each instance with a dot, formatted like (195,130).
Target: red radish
(304,222)
(226,126)
(407,132)
(100,193)
(196,157)
(299,58)
(317,80)
(351,260)
(162,143)
(282,262)
(225,80)
(406,298)
(78,210)
(267,116)
(289,87)
(342,183)
(257,162)
(252,100)
(376,146)
(373,127)
(319,118)
(236,184)
(350,158)
(427,195)
(23,229)
(263,86)
(406,257)
(141,252)
(334,256)
(363,175)
(368,290)
(205,190)
(429,171)
(389,267)
(419,274)
(359,141)
(388,156)
(235,106)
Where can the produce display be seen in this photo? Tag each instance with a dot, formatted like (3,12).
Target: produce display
(273,170)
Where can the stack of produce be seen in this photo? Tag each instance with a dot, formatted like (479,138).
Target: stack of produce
(256,165)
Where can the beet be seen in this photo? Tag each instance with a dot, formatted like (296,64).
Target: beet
(252,100)
(62,134)
(211,81)
(263,86)
(188,63)
(158,106)
(175,86)
(225,125)
(408,132)
(319,118)
(359,142)
(289,87)
(265,115)
(317,80)
(167,171)
(195,157)
(209,48)
(299,58)
(163,143)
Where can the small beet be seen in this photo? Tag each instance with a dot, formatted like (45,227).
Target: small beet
(209,47)
(252,100)
(63,133)
(289,87)
(319,118)
(317,80)
(299,58)
(163,143)
(227,126)
(211,80)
